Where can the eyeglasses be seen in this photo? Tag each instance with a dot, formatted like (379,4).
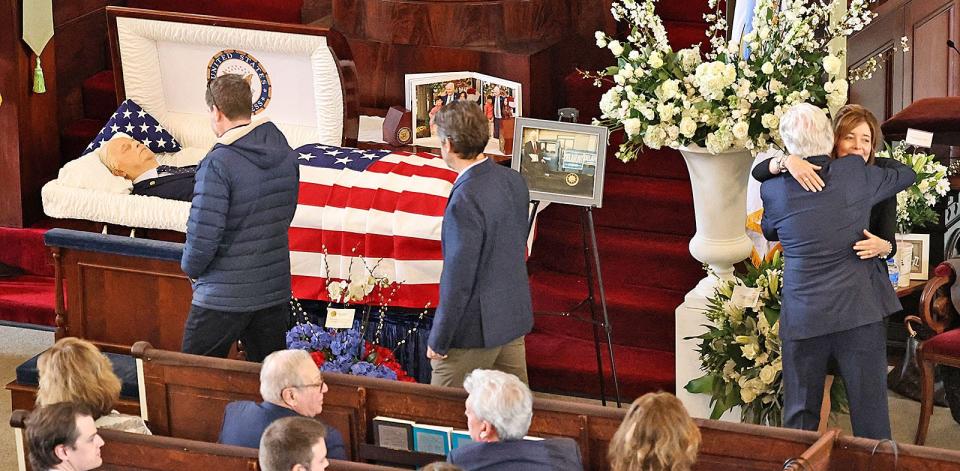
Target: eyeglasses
(313,385)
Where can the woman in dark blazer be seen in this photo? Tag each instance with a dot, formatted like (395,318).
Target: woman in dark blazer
(856,131)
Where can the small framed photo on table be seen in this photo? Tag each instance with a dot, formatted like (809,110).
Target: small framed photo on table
(561,162)
(920,255)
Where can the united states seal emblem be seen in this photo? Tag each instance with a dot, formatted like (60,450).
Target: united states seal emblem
(235,61)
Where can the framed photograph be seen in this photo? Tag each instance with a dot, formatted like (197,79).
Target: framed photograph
(920,266)
(561,162)
(427,93)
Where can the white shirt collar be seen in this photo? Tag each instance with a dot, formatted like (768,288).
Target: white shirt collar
(152,173)
(484,159)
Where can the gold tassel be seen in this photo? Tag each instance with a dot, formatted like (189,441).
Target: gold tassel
(39,86)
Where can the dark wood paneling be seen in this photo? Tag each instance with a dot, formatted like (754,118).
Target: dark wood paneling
(82,39)
(932,22)
(29,141)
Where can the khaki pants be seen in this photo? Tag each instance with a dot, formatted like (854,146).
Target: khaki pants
(510,358)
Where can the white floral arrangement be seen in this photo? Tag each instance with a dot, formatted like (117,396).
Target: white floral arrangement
(733,96)
(915,204)
(740,352)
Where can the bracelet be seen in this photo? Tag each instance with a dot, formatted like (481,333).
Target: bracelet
(886,253)
(782,165)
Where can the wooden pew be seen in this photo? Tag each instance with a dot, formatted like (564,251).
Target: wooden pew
(817,456)
(186,395)
(131,451)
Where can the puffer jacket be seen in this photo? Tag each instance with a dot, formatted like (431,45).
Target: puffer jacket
(244,199)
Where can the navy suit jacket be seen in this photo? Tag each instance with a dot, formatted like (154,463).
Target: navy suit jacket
(826,287)
(484,291)
(173,187)
(557,454)
(245,421)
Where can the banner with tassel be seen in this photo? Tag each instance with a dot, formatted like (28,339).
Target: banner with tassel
(37,32)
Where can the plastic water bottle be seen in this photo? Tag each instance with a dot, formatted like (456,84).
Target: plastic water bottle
(894,270)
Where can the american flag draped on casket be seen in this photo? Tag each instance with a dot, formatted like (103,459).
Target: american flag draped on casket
(369,207)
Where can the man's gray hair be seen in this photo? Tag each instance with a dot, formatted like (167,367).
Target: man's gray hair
(281,370)
(501,399)
(806,130)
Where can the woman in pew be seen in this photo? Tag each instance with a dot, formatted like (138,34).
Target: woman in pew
(657,434)
(499,409)
(74,370)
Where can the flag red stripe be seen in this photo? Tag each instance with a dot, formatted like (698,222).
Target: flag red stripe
(368,245)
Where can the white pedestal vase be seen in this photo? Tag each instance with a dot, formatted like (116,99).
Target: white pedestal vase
(720,204)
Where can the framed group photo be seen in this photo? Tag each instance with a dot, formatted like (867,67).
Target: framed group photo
(920,255)
(427,93)
(561,162)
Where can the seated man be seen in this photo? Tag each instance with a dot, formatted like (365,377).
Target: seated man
(128,158)
(62,436)
(294,444)
(291,385)
(499,410)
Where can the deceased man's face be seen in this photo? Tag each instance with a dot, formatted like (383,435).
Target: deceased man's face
(129,158)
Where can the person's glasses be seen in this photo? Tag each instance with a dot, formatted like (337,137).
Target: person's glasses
(312,385)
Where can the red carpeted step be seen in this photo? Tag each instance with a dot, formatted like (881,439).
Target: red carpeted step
(640,204)
(24,249)
(683,34)
(660,163)
(566,365)
(76,136)
(640,316)
(28,299)
(627,257)
(99,96)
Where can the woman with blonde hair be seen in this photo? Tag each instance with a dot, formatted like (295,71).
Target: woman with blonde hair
(657,434)
(74,370)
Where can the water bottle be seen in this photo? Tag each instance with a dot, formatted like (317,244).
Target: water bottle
(893,269)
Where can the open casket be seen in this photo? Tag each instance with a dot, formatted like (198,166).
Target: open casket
(371,204)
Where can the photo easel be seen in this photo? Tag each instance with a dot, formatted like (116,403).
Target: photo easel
(591,259)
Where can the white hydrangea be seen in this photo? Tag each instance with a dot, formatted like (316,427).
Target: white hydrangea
(832,64)
(713,78)
(668,90)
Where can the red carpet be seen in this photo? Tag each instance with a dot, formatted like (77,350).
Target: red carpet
(28,298)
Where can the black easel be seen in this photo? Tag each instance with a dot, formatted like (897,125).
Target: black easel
(591,264)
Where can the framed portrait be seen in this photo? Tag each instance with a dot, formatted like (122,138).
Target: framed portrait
(561,162)
(920,265)
(427,93)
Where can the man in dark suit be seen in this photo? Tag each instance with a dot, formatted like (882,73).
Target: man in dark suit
(291,386)
(833,303)
(130,159)
(499,409)
(485,308)
(499,102)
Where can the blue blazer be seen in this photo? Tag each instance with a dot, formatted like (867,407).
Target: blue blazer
(484,291)
(173,187)
(245,421)
(557,454)
(826,287)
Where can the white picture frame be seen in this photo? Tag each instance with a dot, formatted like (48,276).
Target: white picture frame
(920,266)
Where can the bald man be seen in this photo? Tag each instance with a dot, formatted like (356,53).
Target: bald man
(130,159)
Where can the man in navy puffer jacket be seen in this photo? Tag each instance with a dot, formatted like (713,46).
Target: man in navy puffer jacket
(237,253)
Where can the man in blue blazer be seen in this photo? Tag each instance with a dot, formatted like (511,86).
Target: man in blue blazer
(485,308)
(833,303)
(291,386)
(499,409)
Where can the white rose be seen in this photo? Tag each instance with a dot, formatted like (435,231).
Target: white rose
(741,130)
(832,64)
(767,68)
(668,90)
(615,47)
(689,58)
(632,126)
(655,60)
(688,127)
(748,395)
(634,55)
(770,121)
(768,374)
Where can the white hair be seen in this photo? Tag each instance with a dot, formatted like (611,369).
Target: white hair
(806,130)
(281,370)
(102,150)
(501,399)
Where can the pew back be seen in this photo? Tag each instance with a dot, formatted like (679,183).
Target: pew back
(129,451)
(186,395)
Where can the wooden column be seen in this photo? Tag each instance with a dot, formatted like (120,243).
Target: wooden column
(29,135)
